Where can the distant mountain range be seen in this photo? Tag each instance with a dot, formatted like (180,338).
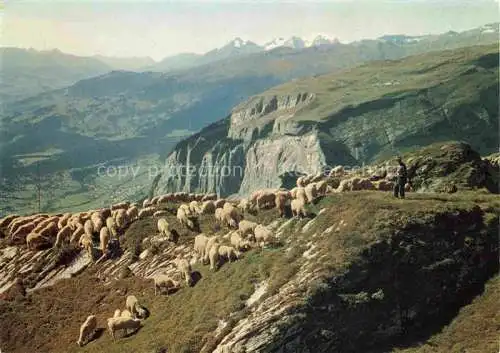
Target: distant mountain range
(27,72)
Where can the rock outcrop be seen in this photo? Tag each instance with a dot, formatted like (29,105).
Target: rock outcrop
(349,119)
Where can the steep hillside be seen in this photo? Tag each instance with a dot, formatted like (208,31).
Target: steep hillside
(365,273)
(352,118)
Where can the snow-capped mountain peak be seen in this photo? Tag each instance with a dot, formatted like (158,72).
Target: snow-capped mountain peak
(292,42)
(321,39)
(238,42)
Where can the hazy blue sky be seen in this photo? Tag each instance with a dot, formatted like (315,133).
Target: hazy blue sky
(162,28)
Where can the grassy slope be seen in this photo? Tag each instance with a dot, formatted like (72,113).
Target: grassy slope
(183,321)
(375,80)
(475,330)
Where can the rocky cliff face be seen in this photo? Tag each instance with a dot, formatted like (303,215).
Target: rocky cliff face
(311,125)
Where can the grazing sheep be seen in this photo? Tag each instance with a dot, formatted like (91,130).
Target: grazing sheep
(213,256)
(187,209)
(298,208)
(132,213)
(89,228)
(238,242)
(338,171)
(300,194)
(228,253)
(126,313)
(111,225)
(209,197)
(160,213)
(322,187)
(122,323)
(317,178)
(200,244)
(194,207)
(16,224)
(184,267)
(183,218)
(246,227)
(104,237)
(23,231)
(121,219)
(384,185)
(154,200)
(230,215)
(218,215)
(7,220)
(132,305)
(300,182)
(207,207)
(311,192)
(64,233)
(362,184)
(146,203)
(163,228)
(87,330)
(120,205)
(263,234)
(63,221)
(33,240)
(77,233)
(146,212)
(266,199)
(220,203)
(281,200)
(245,205)
(86,243)
(165,281)
(211,241)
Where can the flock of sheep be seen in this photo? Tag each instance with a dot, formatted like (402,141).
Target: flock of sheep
(128,319)
(242,235)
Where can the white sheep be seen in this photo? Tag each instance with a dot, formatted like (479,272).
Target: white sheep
(263,234)
(35,239)
(164,281)
(200,244)
(86,243)
(183,218)
(77,233)
(238,242)
(146,212)
(194,207)
(64,233)
(87,330)
(132,213)
(184,268)
(121,219)
(164,228)
(210,244)
(132,305)
(122,323)
(88,227)
(117,313)
(213,256)
(207,207)
(298,208)
(311,192)
(246,227)
(228,253)
(111,225)
(126,313)
(104,239)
